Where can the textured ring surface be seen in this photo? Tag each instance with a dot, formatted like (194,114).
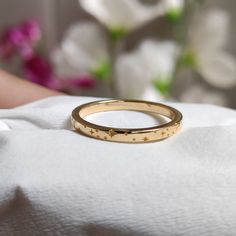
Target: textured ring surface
(137,135)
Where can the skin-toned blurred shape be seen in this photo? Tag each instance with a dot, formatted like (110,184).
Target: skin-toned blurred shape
(15,91)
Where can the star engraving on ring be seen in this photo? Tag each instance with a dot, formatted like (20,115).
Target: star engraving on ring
(91,132)
(112,132)
(125,134)
(145,139)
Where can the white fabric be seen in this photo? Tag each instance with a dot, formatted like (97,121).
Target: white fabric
(54,181)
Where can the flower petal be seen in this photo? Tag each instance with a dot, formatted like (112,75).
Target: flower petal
(85,47)
(39,70)
(135,71)
(209,29)
(218,69)
(123,14)
(61,65)
(81,81)
(131,77)
(159,57)
(151,94)
(32,30)
(174,4)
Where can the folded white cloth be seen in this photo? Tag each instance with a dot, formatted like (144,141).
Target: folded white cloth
(54,181)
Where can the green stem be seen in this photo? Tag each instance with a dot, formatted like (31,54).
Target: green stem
(180,32)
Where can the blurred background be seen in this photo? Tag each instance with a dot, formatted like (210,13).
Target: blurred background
(175,50)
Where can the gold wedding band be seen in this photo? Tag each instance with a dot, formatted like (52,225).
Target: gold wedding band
(139,135)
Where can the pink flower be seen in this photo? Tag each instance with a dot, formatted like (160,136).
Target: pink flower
(20,39)
(77,82)
(31,30)
(16,36)
(38,70)
(80,81)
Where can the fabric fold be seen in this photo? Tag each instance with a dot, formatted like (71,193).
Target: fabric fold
(54,181)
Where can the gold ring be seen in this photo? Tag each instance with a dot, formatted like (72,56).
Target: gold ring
(139,135)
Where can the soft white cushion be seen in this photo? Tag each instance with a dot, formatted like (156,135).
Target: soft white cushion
(54,181)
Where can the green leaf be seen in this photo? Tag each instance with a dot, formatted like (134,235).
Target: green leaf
(118,33)
(103,71)
(175,15)
(163,86)
(189,59)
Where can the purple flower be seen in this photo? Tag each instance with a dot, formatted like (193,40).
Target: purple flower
(38,70)
(26,51)
(80,81)
(31,30)
(16,36)
(20,39)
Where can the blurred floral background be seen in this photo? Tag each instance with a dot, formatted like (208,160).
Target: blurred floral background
(175,50)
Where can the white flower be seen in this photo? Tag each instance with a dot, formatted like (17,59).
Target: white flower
(61,64)
(174,8)
(208,37)
(83,50)
(174,5)
(151,94)
(127,14)
(136,71)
